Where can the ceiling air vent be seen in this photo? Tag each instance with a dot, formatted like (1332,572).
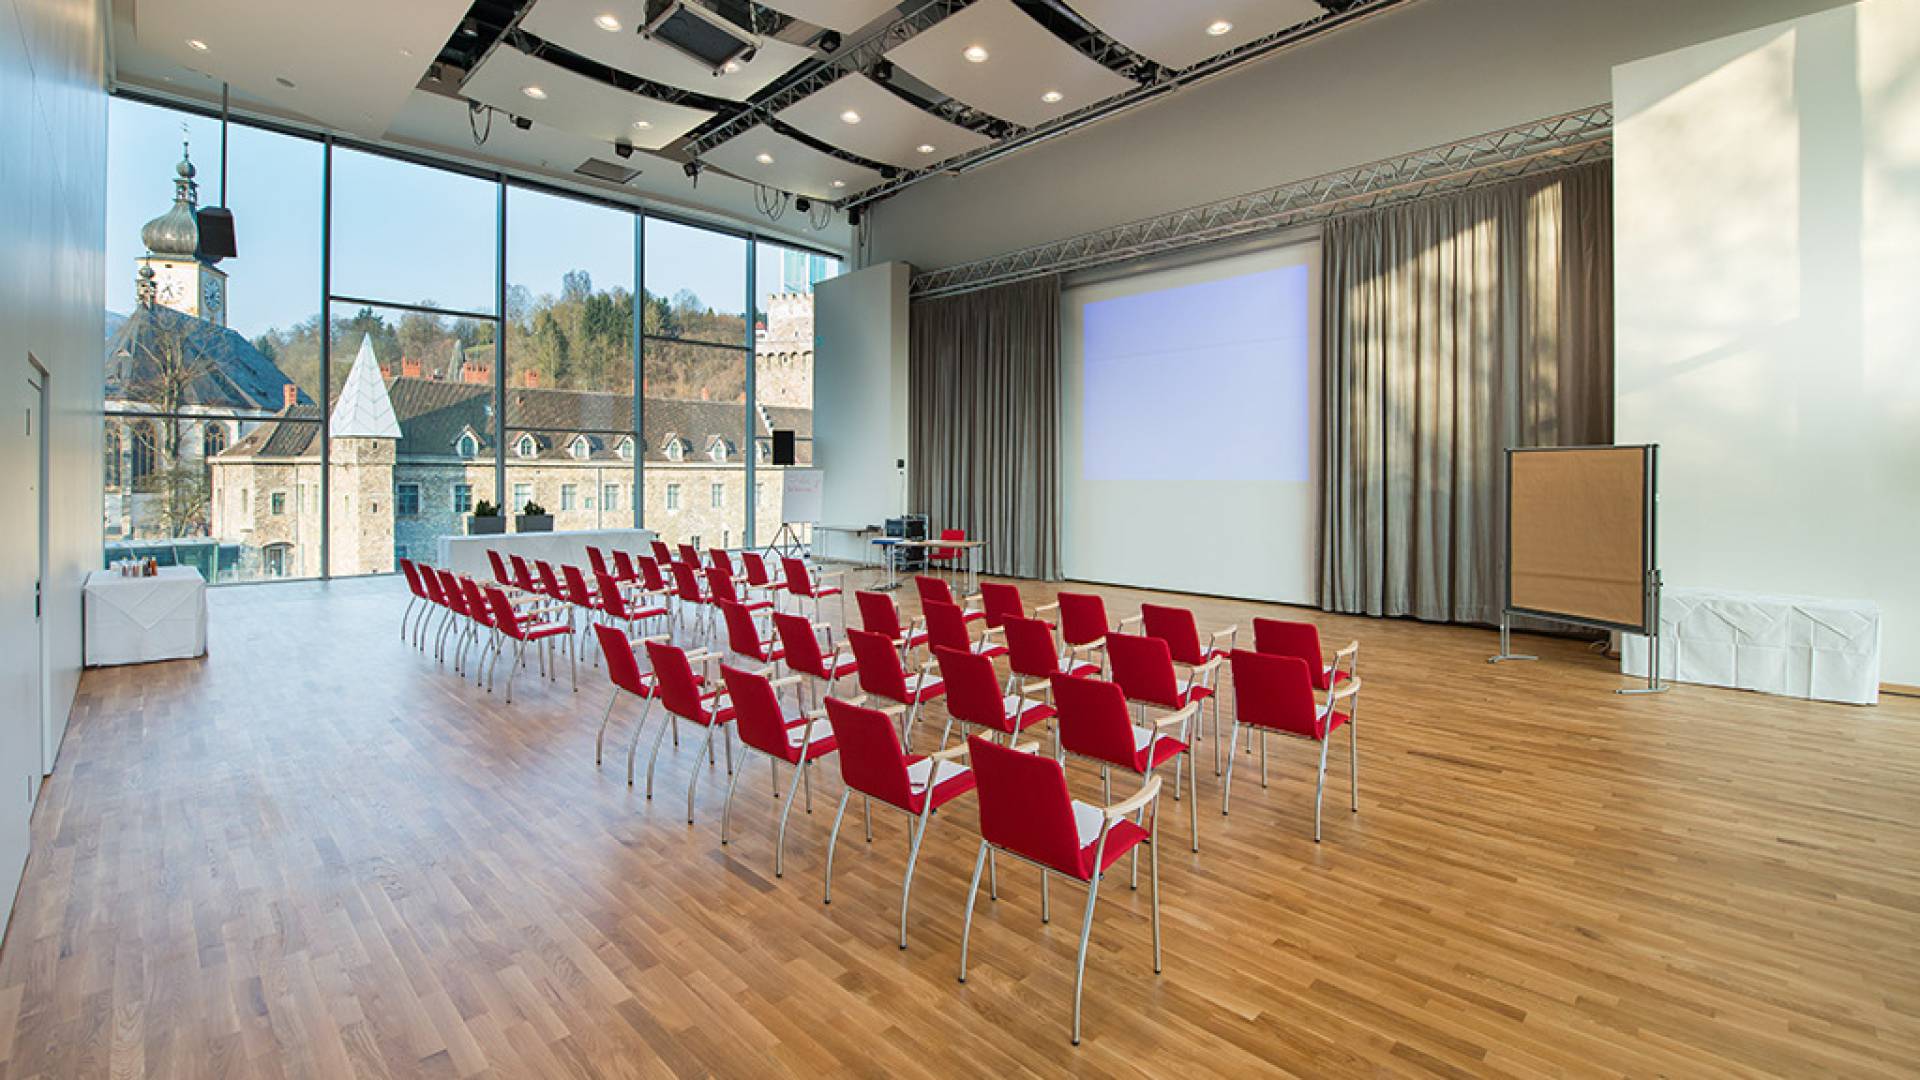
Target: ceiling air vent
(701,34)
(606,170)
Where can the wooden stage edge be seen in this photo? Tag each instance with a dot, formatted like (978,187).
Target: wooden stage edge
(316,852)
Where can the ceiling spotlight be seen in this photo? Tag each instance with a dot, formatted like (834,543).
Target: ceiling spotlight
(888,172)
(196,44)
(850,117)
(763,158)
(623,148)
(408,53)
(853,216)
(882,71)
(642,125)
(608,23)
(975,54)
(534,92)
(691,168)
(828,41)
(925,148)
(1219,27)
(731,66)
(523,123)
(839,183)
(1051,96)
(803,204)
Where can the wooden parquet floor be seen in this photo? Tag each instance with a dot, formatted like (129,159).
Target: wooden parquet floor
(316,853)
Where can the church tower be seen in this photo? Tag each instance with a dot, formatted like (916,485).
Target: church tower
(179,276)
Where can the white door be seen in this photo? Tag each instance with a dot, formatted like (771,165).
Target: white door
(36,528)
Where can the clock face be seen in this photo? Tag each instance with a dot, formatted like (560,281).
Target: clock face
(211,296)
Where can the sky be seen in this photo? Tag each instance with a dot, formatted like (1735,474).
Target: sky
(401,232)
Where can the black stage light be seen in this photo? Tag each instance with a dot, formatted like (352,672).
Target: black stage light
(853,216)
(829,41)
(882,71)
(623,148)
(691,168)
(802,204)
(523,123)
(888,172)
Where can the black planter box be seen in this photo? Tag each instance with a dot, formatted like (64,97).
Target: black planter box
(532,523)
(486,526)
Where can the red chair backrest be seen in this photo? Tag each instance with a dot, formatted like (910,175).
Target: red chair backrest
(686,584)
(549,581)
(576,586)
(1274,692)
(743,636)
(451,593)
(1094,719)
(623,565)
(522,576)
(798,582)
(662,554)
(802,647)
(756,710)
(622,666)
(689,555)
(933,590)
(1002,602)
(947,552)
(430,581)
(871,761)
(946,626)
(1176,627)
(650,574)
(596,560)
(720,585)
(878,615)
(1031,652)
(1144,669)
(1024,806)
(717,559)
(757,575)
(413,579)
(505,619)
(673,676)
(477,607)
(1283,637)
(1083,618)
(612,600)
(500,574)
(880,670)
(973,691)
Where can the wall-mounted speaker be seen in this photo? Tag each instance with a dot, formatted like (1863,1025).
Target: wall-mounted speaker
(216,233)
(783,446)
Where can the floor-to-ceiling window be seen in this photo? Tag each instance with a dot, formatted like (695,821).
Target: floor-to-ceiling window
(368,372)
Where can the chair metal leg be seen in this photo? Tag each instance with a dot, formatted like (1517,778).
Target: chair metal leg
(633,745)
(806,774)
(1153,857)
(1353,751)
(652,756)
(1045,914)
(405,615)
(519,654)
(1319,789)
(780,841)
(1193,809)
(1263,759)
(693,775)
(726,809)
(605,719)
(913,857)
(1226,783)
(833,839)
(973,891)
(1080,965)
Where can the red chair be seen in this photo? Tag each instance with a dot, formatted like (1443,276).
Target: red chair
(880,615)
(685,696)
(800,584)
(436,601)
(883,676)
(1176,626)
(575,590)
(1279,637)
(523,578)
(483,632)
(947,629)
(662,554)
(1002,603)
(1095,723)
(653,580)
(720,587)
(743,634)
(934,590)
(949,557)
(499,565)
(718,559)
(597,560)
(759,578)
(798,740)
(514,626)
(1026,811)
(689,555)
(624,669)
(974,697)
(454,599)
(1083,622)
(1275,694)
(1143,668)
(1032,653)
(615,605)
(418,594)
(873,765)
(800,641)
(623,568)
(687,589)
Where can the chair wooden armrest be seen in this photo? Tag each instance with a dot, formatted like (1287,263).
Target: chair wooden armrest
(950,753)
(1027,746)
(1055,606)
(814,714)
(1211,665)
(857,699)
(1121,626)
(992,630)
(1177,719)
(784,680)
(1343,690)
(1035,688)
(1148,792)
(893,709)
(836,575)
(930,667)
(649,637)
(1091,646)
(1231,633)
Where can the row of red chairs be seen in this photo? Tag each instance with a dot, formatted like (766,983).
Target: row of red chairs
(483,616)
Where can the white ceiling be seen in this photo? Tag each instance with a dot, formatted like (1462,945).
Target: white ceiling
(342,76)
(795,167)
(1175,34)
(576,103)
(889,129)
(569,24)
(1024,62)
(845,16)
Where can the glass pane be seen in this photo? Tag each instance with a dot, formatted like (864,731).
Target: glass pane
(570,359)
(413,234)
(413,433)
(239,499)
(696,439)
(696,283)
(783,366)
(583,479)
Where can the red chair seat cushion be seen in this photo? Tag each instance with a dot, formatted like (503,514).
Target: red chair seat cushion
(949,785)
(1123,837)
(1165,749)
(1034,713)
(535,631)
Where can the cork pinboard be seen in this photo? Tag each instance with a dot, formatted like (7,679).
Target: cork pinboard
(1580,534)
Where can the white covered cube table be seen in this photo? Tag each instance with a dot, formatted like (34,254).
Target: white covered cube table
(1826,650)
(134,620)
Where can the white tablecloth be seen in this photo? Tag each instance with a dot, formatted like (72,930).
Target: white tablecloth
(1828,650)
(468,554)
(131,620)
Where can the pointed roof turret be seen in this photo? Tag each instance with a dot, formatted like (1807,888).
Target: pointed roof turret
(364,409)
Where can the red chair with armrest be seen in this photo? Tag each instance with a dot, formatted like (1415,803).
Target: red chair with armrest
(882,675)
(691,697)
(1274,694)
(880,615)
(800,641)
(1083,622)
(798,739)
(974,697)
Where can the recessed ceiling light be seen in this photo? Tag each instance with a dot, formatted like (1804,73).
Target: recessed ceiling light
(839,183)
(643,124)
(534,92)
(408,53)
(284,81)
(764,159)
(196,44)
(925,148)
(975,54)
(1219,27)
(608,23)
(732,66)
(850,116)
(1050,96)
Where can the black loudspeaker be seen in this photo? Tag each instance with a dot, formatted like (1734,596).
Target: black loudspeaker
(216,233)
(783,446)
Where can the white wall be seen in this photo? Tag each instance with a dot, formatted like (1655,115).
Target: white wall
(53,152)
(1423,74)
(1767,266)
(859,398)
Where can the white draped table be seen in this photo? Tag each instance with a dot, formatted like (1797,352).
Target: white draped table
(468,554)
(132,620)
(1827,650)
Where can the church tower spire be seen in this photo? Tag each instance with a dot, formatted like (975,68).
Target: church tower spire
(181,279)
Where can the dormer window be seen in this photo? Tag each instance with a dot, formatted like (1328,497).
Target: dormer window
(526,447)
(676,448)
(718,451)
(626,448)
(580,449)
(468,445)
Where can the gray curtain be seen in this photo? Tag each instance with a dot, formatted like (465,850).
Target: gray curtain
(983,422)
(1456,326)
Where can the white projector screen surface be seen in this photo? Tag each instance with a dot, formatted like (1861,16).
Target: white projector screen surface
(1767,269)
(1191,413)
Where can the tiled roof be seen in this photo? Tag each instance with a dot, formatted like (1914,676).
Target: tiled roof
(229,372)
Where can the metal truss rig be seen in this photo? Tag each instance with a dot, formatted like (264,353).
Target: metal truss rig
(1555,142)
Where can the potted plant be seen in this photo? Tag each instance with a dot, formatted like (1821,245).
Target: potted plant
(533,518)
(486,520)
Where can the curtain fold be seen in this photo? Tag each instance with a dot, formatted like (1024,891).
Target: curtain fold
(1456,326)
(983,422)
